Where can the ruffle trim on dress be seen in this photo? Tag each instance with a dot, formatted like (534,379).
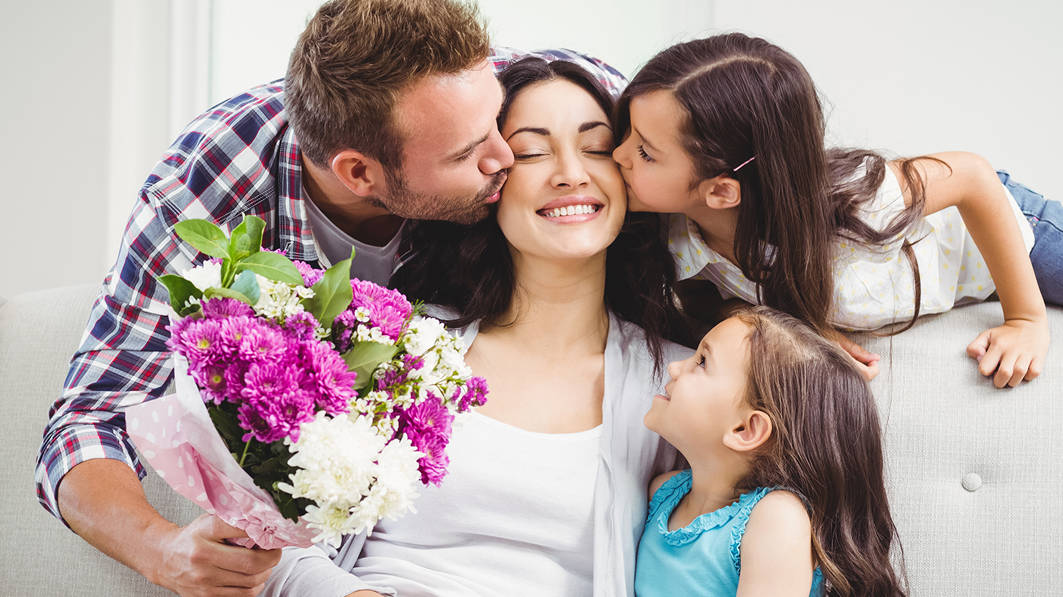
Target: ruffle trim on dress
(705,522)
(741,520)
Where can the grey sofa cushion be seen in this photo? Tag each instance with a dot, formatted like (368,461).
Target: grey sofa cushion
(975,474)
(39,332)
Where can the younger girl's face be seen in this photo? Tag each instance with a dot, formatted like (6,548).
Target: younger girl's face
(564,198)
(706,394)
(658,171)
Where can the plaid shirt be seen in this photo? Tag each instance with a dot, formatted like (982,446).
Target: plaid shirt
(240,157)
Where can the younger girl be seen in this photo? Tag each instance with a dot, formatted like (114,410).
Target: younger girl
(784,495)
(728,132)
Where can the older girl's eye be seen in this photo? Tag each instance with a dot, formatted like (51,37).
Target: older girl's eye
(642,153)
(527,156)
(701,360)
(605,153)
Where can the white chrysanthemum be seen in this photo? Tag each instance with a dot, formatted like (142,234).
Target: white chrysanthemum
(332,522)
(204,276)
(422,335)
(335,459)
(396,487)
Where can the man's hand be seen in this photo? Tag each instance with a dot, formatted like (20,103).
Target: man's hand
(866,362)
(1012,352)
(197,561)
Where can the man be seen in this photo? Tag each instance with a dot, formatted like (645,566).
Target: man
(387,112)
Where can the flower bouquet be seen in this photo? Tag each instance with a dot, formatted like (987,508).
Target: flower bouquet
(308,405)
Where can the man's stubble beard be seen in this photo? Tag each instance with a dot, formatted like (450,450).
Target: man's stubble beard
(404,203)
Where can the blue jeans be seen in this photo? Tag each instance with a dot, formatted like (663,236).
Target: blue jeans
(1046,218)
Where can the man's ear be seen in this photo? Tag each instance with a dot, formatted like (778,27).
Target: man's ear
(720,192)
(750,433)
(361,174)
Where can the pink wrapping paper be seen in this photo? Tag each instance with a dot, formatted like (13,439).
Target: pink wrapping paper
(174,433)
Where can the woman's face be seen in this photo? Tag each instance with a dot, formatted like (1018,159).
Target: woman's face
(657,169)
(564,198)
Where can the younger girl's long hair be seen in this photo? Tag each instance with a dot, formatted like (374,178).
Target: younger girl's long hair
(469,267)
(747,98)
(826,447)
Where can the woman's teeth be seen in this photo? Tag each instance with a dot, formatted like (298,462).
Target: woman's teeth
(570,210)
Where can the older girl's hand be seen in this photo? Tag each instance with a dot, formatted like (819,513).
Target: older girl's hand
(1012,352)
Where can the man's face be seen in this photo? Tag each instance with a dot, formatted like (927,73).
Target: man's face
(454,160)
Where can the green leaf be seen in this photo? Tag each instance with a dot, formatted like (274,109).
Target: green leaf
(204,236)
(274,266)
(247,284)
(364,357)
(246,238)
(190,310)
(180,291)
(228,293)
(332,294)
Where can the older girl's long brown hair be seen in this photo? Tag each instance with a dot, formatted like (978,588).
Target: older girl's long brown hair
(747,98)
(826,447)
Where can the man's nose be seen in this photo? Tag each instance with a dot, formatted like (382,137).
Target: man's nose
(498,156)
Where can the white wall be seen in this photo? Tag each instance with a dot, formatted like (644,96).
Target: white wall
(95,91)
(915,77)
(55,108)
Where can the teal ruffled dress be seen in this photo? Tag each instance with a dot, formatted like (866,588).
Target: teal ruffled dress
(702,558)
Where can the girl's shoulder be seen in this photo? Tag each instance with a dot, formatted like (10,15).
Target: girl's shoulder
(663,478)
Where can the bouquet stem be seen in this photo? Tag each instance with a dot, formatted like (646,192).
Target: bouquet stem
(246,446)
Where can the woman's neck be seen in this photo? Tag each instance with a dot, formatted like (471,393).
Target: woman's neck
(558,307)
(717,228)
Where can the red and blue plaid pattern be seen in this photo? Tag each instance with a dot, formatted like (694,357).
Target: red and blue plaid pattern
(240,157)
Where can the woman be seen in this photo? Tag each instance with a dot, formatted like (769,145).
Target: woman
(546,492)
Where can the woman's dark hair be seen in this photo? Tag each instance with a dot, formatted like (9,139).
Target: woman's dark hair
(469,267)
(747,98)
(826,447)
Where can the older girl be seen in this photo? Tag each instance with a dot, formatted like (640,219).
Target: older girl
(727,132)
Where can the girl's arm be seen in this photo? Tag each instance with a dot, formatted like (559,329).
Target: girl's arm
(1016,350)
(776,552)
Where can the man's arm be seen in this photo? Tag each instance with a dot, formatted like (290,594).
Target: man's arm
(88,471)
(103,502)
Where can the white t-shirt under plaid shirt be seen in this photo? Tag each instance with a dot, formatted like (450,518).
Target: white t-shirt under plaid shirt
(872,287)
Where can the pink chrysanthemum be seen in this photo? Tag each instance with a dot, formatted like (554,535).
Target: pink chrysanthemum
(222,308)
(388,309)
(328,378)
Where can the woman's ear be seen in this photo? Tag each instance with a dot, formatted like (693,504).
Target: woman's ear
(361,174)
(750,433)
(720,192)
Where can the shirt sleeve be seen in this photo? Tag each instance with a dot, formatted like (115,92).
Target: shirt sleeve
(122,359)
(609,77)
(310,572)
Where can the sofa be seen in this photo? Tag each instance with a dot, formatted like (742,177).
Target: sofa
(975,474)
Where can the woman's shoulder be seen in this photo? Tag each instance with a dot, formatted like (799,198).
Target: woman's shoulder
(631,335)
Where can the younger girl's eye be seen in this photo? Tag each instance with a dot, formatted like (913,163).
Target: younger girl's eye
(701,360)
(642,153)
(527,156)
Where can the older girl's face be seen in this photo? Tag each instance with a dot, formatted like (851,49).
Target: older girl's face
(657,169)
(564,198)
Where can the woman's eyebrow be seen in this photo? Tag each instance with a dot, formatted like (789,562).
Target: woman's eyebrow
(586,126)
(530,129)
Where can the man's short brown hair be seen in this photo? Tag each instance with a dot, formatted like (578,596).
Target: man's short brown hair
(355,56)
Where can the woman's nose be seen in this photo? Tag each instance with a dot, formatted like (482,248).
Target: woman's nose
(570,170)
